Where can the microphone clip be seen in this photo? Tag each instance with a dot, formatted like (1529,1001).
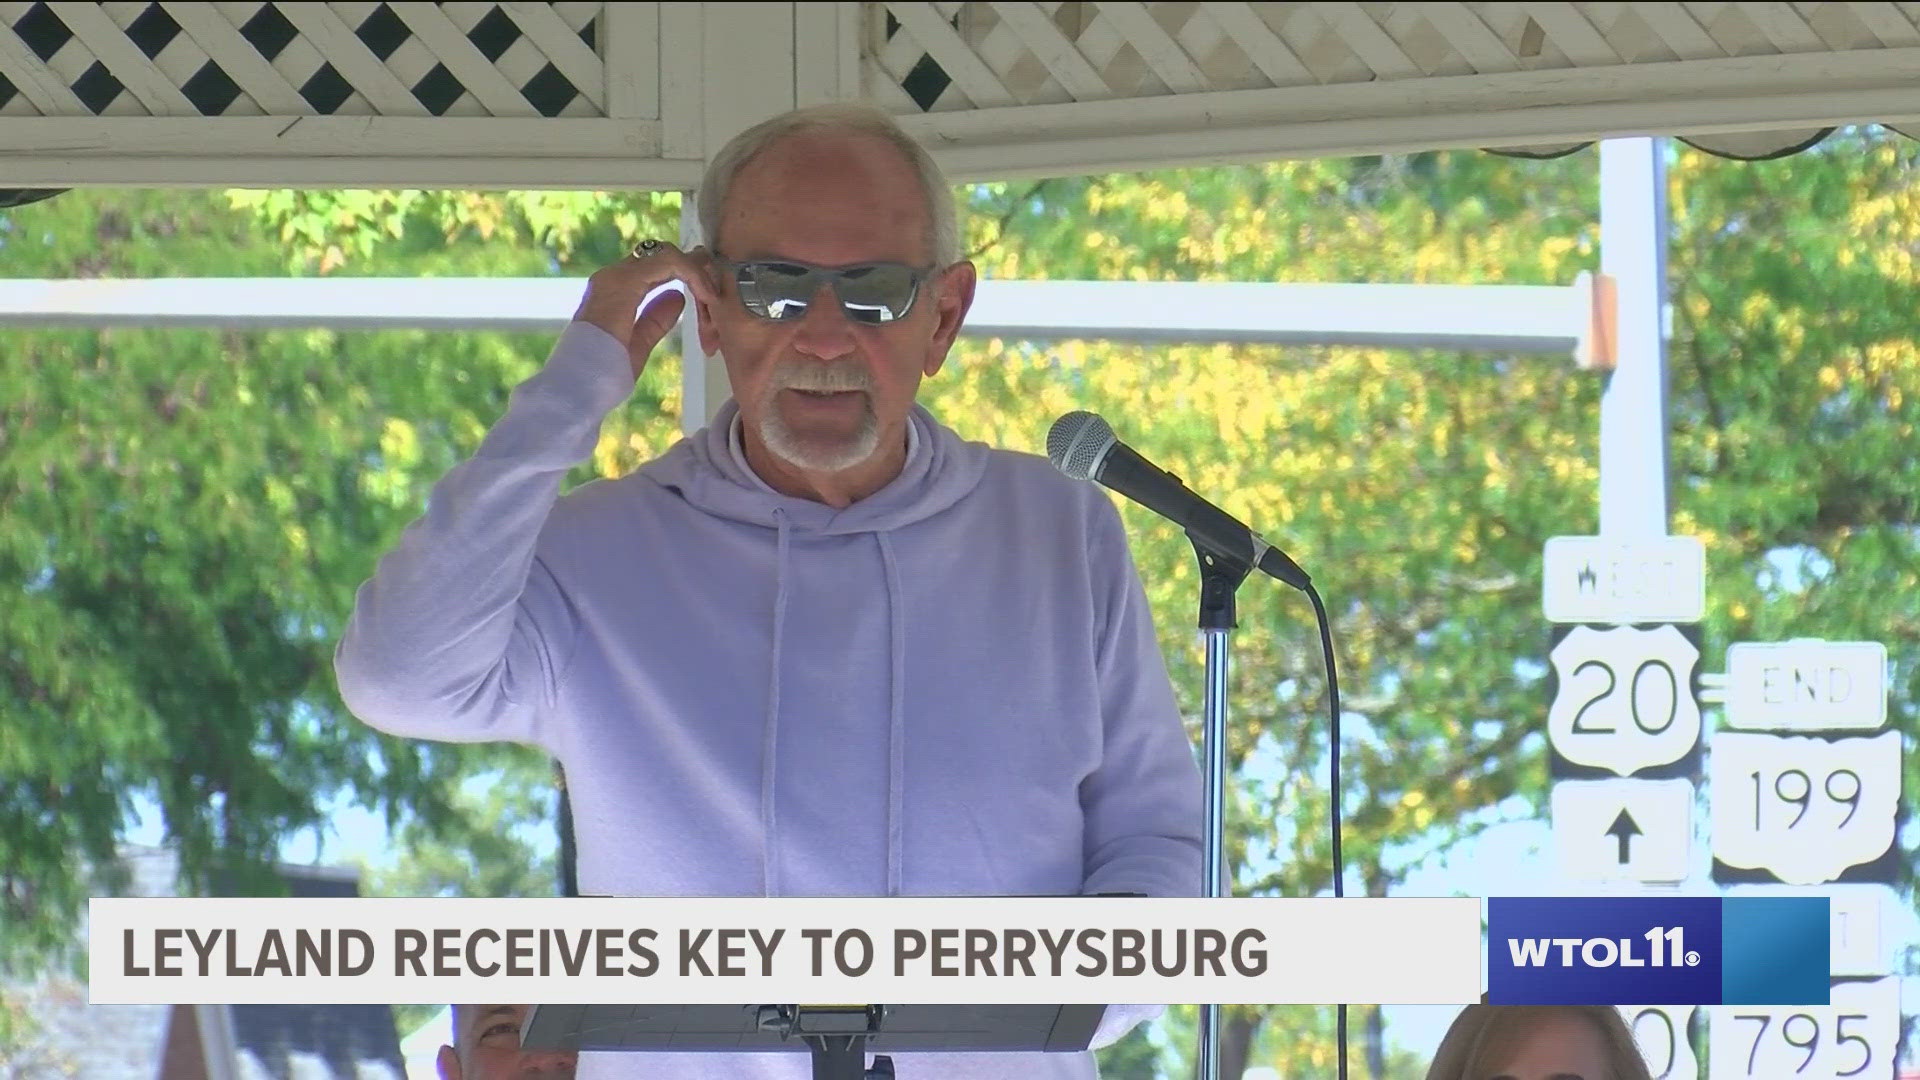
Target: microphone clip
(1220,578)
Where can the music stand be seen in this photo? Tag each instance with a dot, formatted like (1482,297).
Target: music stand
(838,1036)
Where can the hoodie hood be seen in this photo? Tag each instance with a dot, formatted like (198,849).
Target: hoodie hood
(704,469)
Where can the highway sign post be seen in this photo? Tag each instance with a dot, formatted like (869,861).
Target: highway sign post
(1803,791)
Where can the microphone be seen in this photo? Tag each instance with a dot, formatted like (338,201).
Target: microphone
(1083,446)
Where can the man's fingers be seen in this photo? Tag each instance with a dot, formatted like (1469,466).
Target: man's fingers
(699,276)
(657,319)
(665,263)
(616,296)
(654,323)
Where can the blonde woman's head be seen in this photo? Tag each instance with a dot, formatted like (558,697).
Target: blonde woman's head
(1526,1042)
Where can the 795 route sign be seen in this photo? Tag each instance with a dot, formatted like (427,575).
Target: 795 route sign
(1856,1036)
(1623,699)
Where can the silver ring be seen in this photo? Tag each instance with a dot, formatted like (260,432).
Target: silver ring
(645,248)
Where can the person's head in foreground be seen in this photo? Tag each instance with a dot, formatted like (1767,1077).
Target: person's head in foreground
(1528,1042)
(825,365)
(486,1046)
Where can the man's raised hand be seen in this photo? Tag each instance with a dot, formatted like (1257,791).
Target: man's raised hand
(614,292)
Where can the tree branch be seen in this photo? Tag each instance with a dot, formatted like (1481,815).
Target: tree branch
(1000,226)
(1716,416)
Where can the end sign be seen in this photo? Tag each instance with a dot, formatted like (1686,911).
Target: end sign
(1807,685)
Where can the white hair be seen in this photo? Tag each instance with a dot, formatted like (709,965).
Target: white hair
(845,118)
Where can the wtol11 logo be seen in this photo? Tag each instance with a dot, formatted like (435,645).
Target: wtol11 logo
(1666,947)
(1681,950)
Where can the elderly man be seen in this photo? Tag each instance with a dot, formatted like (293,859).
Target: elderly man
(486,1046)
(823,646)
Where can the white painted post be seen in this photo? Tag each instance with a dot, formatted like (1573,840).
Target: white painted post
(703,378)
(1633,407)
(756,60)
(747,72)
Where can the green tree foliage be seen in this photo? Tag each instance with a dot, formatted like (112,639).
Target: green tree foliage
(188,513)
(1796,370)
(498,859)
(24,1050)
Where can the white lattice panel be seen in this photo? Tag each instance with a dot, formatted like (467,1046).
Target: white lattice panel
(946,55)
(343,93)
(1008,87)
(300,59)
(635,94)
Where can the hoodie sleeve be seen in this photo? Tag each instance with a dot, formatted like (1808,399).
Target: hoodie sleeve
(1142,807)
(461,634)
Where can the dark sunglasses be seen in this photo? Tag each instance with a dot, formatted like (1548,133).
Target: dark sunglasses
(870,293)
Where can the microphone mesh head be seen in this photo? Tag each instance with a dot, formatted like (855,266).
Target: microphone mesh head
(1077,442)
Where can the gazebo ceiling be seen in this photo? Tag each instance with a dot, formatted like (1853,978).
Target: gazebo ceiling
(1282,79)
(589,94)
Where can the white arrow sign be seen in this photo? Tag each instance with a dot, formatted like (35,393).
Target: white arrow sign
(1804,809)
(1624,700)
(1623,830)
(1807,685)
(1594,579)
(1660,1031)
(1856,1036)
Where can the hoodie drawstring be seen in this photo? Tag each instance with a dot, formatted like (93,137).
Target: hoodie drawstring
(896,711)
(770,739)
(896,714)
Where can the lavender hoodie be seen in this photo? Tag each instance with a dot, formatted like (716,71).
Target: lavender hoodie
(951,687)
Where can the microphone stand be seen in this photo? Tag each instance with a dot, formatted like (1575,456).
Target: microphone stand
(1220,578)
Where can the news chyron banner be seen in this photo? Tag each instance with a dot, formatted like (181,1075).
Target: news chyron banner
(656,951)
(966,951)
(1679,950)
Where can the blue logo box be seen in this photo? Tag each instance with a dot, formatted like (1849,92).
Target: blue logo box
(1659,950)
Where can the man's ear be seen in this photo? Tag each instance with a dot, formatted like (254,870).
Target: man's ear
(953,297)
(448,1062)
(703,322)
(703,312)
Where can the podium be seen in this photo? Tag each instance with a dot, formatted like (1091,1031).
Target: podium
(838,1037)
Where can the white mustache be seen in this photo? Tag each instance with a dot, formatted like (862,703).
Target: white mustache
(837,379)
